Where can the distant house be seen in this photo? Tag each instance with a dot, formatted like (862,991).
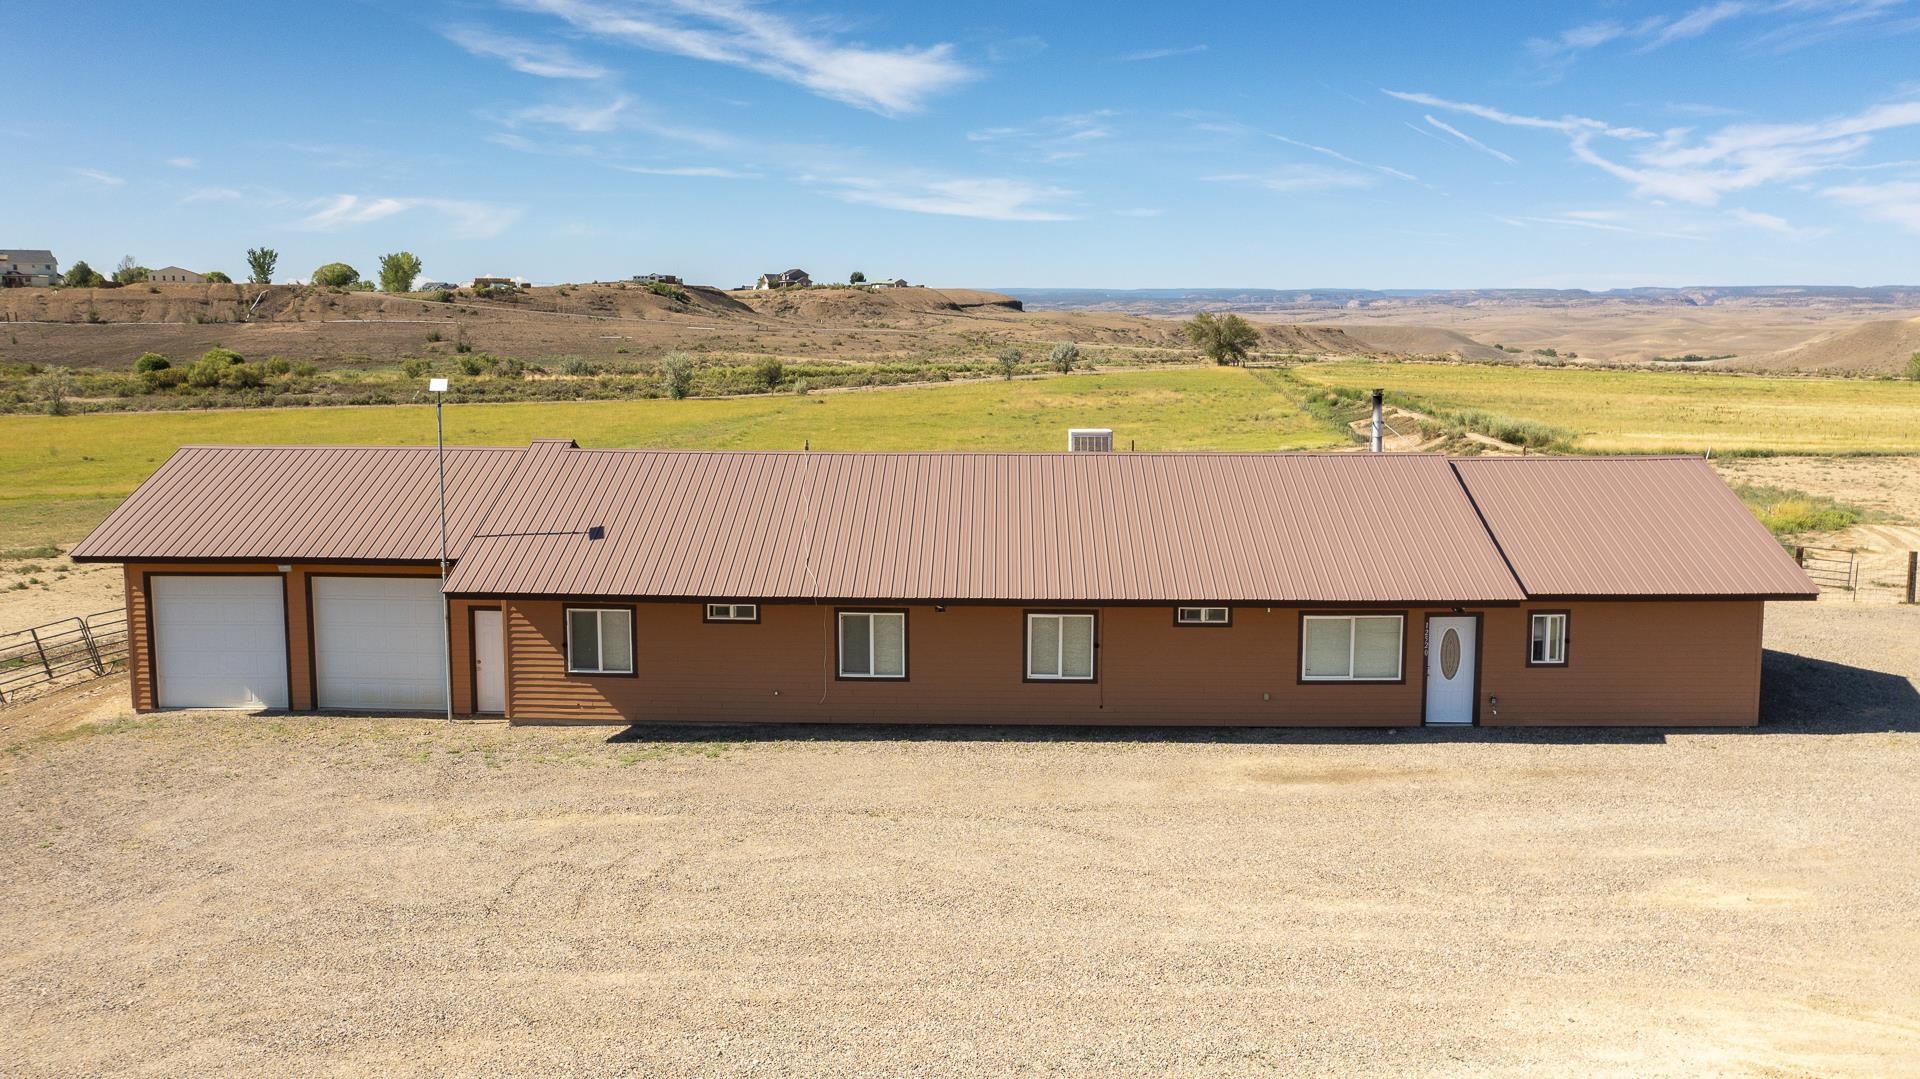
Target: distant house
(657,279)
(480,283)
(898,282)
(434,286)
(784,279)
(22,268)
(175,275)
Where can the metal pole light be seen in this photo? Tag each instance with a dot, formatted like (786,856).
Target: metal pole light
(438,387)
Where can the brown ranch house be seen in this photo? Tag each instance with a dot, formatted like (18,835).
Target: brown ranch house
(614,586)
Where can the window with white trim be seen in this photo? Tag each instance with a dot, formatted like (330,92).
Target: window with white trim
(1351,647)
(873,644)
(733,612)
(1202,616)
(599,640)
(1060,647)
(1547,643)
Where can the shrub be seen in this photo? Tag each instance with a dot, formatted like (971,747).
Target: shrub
(460,342)
(335,275)
(440,295)
(1225,338)
(278,365)
(671,292)
(471,365)
(217,277)
(1009,360)
(415,368)
(434,335)
(576,367)
(676,374)
(1064,356)
(240,376)
(151,361)
(770,373)
(509,367)
(304,369)
(1913,367)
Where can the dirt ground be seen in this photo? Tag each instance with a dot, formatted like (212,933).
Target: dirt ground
(1889,487)
(212,894)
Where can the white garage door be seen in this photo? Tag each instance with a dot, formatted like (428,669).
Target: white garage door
(219,642)
(378,643)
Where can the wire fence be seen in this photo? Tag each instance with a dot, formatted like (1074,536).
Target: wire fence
(67,650)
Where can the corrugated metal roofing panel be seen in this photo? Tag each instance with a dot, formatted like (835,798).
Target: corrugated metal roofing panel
(1627,526)
(1315,528)
(279,503)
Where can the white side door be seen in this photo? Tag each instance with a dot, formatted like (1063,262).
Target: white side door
(379,643)
(1453,645)
(219,641)
(489,663)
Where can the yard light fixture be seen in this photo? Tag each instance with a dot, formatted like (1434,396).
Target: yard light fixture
(438,387)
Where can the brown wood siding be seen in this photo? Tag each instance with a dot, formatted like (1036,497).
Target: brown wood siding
(1653,663)
(967,666)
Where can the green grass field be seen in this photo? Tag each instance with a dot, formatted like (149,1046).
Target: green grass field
(60,474)
(63,473)
(1656,411)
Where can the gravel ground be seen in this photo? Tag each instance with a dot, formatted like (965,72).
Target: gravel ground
(216,895)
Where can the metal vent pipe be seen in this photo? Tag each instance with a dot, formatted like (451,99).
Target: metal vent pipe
(1379,419)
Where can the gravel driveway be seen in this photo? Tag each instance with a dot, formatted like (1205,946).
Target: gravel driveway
(216,895)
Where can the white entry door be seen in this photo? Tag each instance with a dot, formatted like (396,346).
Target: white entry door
(378,643)
(219,641)
(489,663)
(1453,642)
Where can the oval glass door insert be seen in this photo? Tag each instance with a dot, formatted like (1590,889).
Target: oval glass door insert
(1450,654)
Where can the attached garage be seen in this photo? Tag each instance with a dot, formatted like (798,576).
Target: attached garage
(220,641)
(379,643)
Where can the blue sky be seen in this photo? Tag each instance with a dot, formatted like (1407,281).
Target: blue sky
(995,144)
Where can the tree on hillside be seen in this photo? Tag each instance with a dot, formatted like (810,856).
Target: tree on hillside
(129,272)
(260,265)
(217,277)
(1224,338)
(1913,367)
(1009,362)
(398,270)
(81,275)
(1064,356)
(336,275)
(856,278)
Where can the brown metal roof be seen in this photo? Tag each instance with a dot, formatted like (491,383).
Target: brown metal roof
(1627,526)
(1326,528)
(300,502)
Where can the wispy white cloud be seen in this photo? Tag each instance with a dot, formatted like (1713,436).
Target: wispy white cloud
(1681,167)
(213,194)
(1158,54)
(1139,211)
(529,57)
(1297,178)
(1773,223)
(574,117)
(1569,124)
(465,217)
(104,179)
(1469,139)
(1660,34)
(890,81)
(1897,201)
(1787,24)
(987,199)
(1052,138)
(184,162)
(1338,156)
(708,171)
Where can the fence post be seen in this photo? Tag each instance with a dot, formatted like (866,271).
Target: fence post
(1800,555)
(1913,576)
(38,647)
(86,634)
